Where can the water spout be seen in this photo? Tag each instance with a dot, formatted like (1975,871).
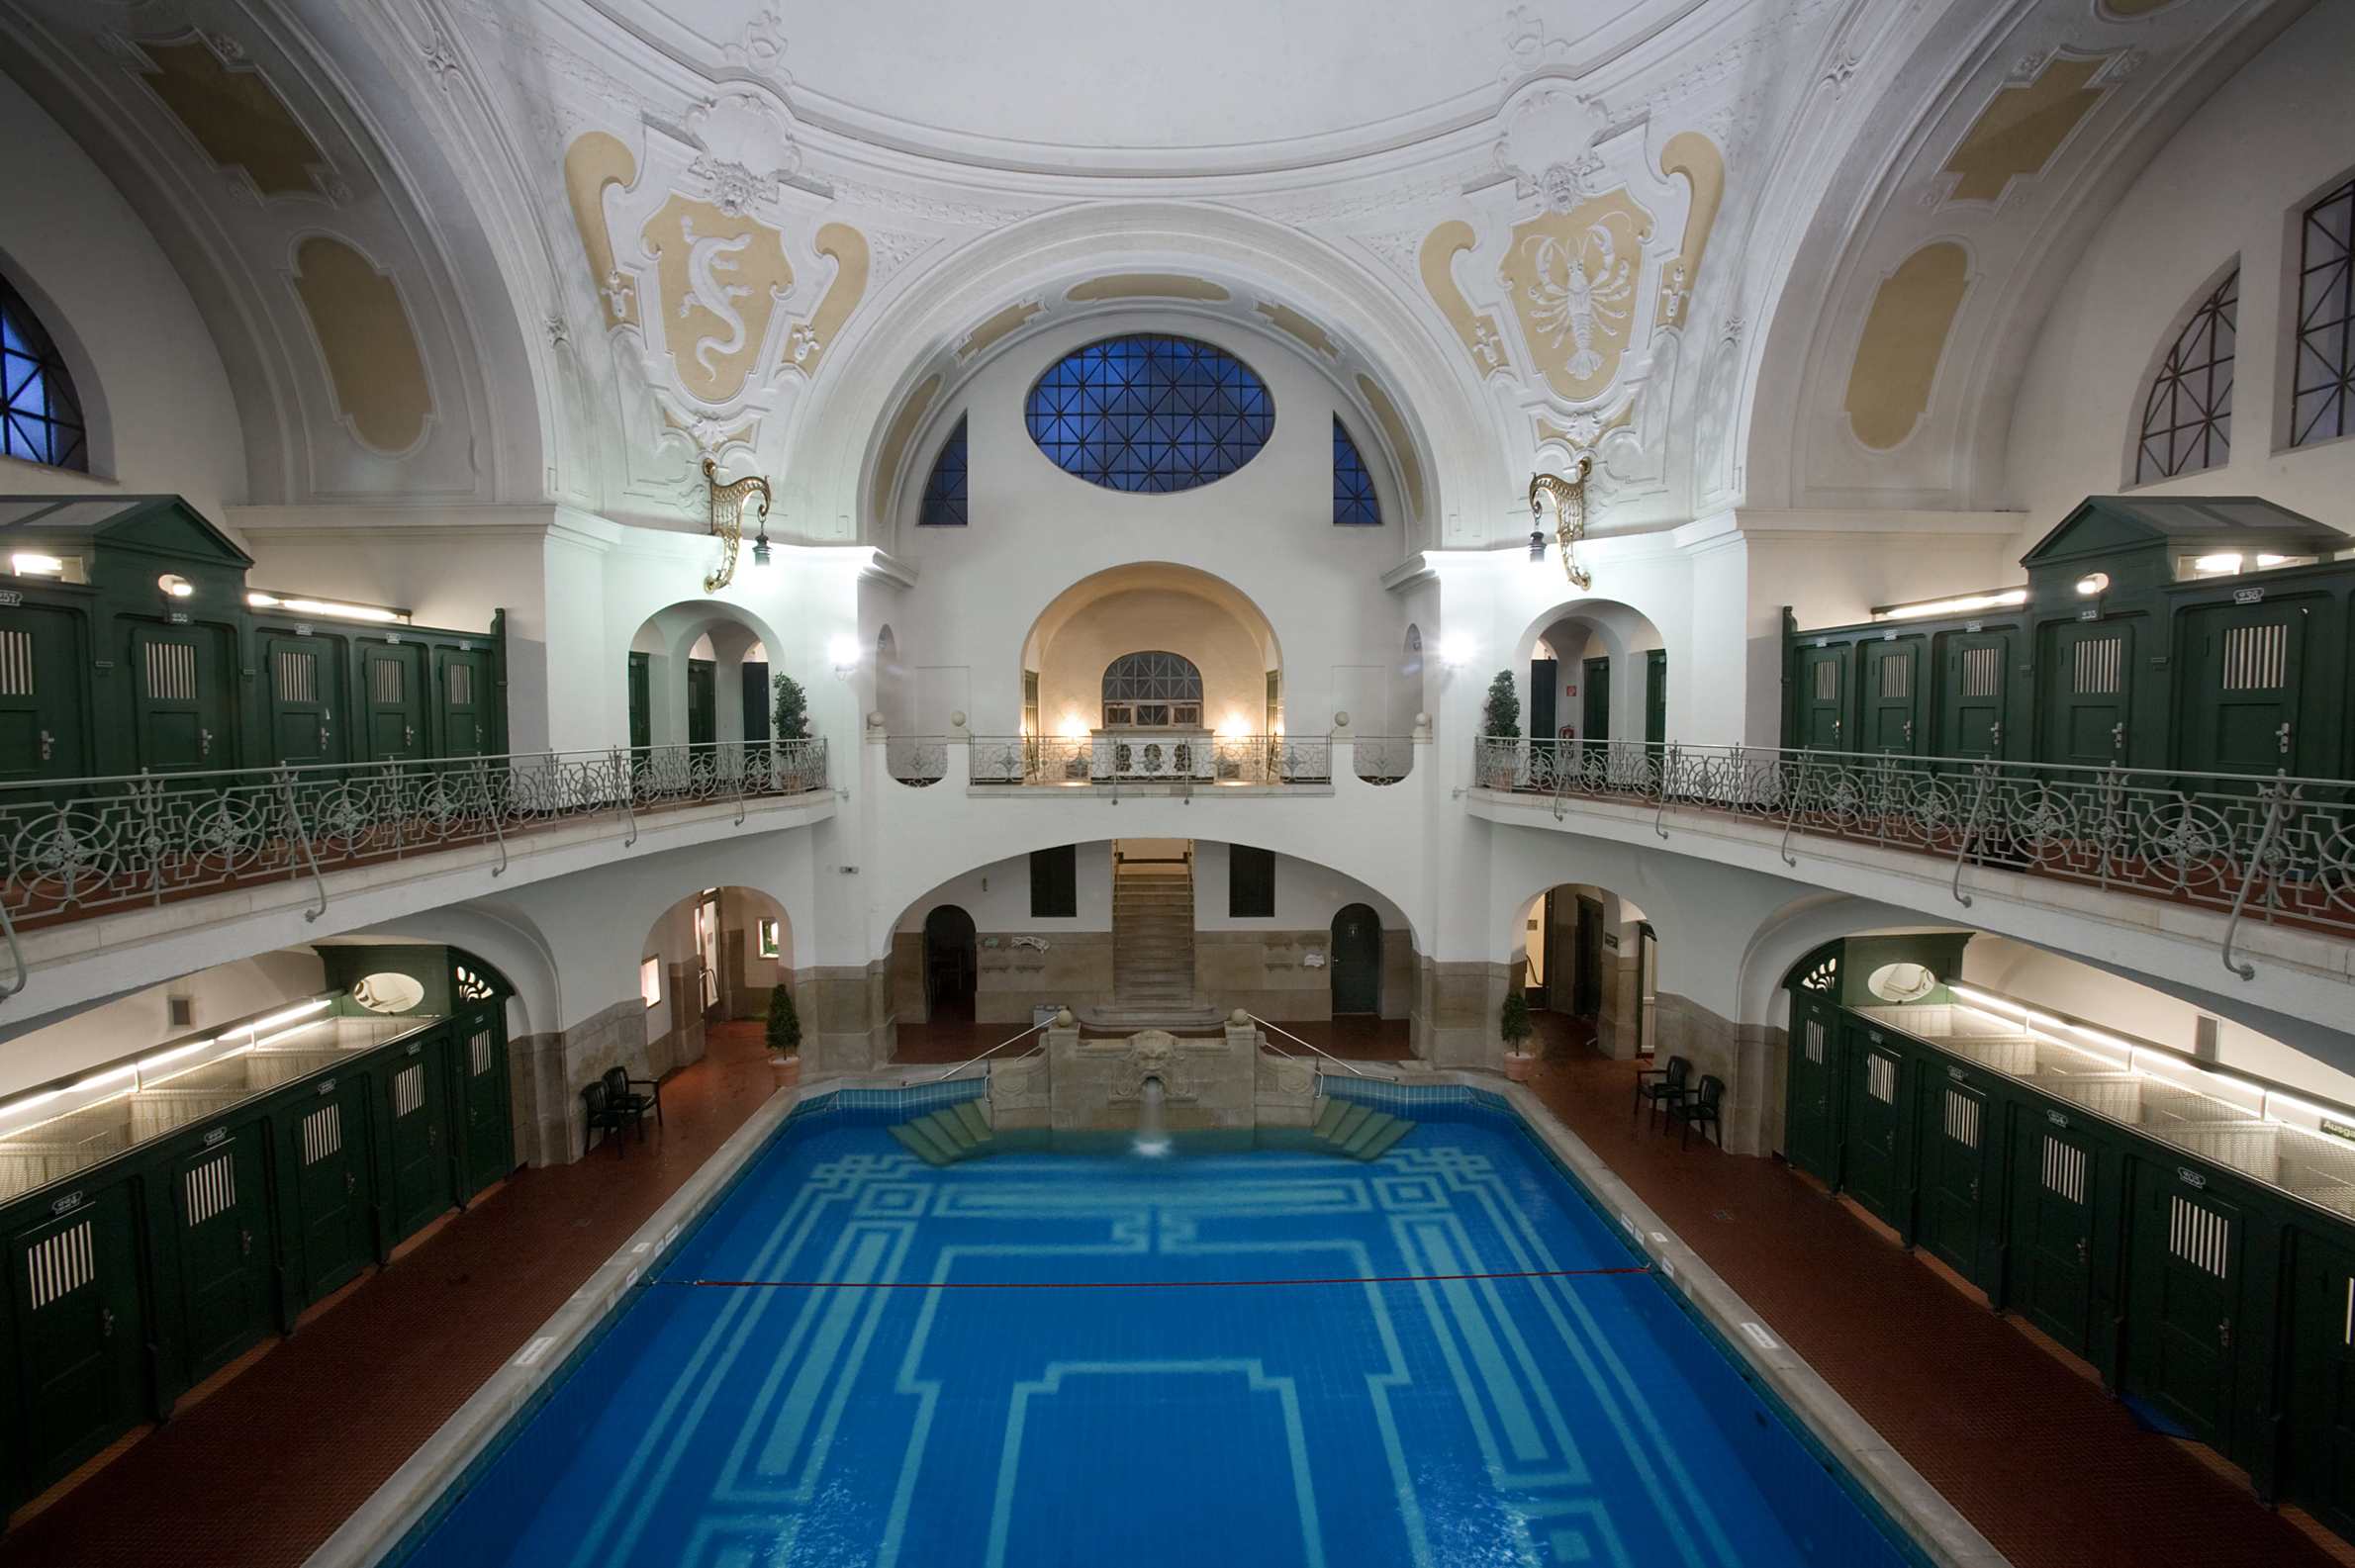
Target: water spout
(1153,1138)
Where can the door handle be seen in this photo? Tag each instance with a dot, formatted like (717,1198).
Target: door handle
(323,739)
(1909,731)
(2082,1257)
(49,745)
(409,734)
(2224,1335)
(106,1323)
(351,1182)
(1995,733)
(2282,732)
(245,1243)
(204,743)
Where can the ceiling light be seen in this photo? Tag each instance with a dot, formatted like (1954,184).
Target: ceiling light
(2091,584)
(1457,649)
(175,585)
(28,563)
(1537,544)
(760,550)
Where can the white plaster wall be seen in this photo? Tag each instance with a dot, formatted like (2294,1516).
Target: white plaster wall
(140,1021)
(2232,179)
(1153,621)
(148,373)
(998,895)
(1307,895)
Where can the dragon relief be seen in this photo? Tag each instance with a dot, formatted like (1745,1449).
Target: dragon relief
(722,276)
(1572,278)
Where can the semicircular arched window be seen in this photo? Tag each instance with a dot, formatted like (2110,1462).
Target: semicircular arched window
(1153,688)
(1149,413)
(945,492)
(41,419)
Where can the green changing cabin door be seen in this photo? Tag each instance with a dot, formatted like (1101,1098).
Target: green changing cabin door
(82,1344)
(1953,1145)
(1357,944)
(462,697)
(1812,1127)
(1656,695)
(414,1104)
(302,676)
(179,707)
(2322,1383)
(1876,1096)
(41,673)
(326,1155)
(1971,687)
(703,702)
(220,1205)
(2088,683)
(2052,1229)
(2183,1301)
(1822,677)
(2240,704)
(483,1094)
(1594,695)
(1891,682)
(393,701)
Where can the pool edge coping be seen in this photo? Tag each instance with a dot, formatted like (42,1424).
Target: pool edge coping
(382,1522)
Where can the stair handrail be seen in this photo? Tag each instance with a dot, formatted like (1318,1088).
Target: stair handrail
(1319,1049)
(991,1051)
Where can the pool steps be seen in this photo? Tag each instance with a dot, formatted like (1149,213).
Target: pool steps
(963,1132)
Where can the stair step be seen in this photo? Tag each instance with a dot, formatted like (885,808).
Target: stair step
(1378,1144)
(970,1113)
(1330,1116)
(1374,1125)
(924,1148)
(1347,1128)
(945,1127)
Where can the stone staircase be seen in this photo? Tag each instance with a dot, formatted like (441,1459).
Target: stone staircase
(1153,939)
(1358,1131)
(943,1138)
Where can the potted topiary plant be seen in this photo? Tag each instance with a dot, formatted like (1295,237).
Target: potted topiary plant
(784,1035)
(788,721)
(1515,1024)
(1500,721)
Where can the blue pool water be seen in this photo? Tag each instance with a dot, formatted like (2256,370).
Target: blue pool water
(1124,1418)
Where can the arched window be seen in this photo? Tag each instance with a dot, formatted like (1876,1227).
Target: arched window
(2187,417)
(40,419)
(1149,413)
(944,491)
(1355,504)
(1153,688)
(2322,377)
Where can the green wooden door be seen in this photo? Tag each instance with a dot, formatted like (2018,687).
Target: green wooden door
(180,712)
(483,1095)
(1972,682)
(326,1155)
(43,670)
(302,679)
(1545,696)
(2183,1301)
(393,701)
(1869,1157)
(80,1342)
(1356,961)
(1594,697)
(2052,1229)
(221,1210)
(1953,1145)
(2239,704)
(415,1110)
(2322,1383)
(1812,1125)
(1656,695)
(462,699)
(1890,683)
(1821,701)
(703,702)
(1587,975)
(2087,682)
(641,701)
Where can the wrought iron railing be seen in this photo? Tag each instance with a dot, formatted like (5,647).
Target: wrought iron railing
(81,846)
(916,760)
(1143,759)
(2272,848)
(1383,759)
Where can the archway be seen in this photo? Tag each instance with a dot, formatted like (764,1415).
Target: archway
(698,675)
(1597,680)
(712,959)
(1589,966)
(950,966)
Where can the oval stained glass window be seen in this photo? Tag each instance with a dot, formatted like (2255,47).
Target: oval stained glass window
(1149,413)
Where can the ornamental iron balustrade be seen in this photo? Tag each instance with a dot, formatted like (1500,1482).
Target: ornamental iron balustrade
(81,846)
(1383,759)
(2276,849)
(1145,756)
(916,760)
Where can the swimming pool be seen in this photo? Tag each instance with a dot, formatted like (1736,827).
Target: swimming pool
(1266,1356)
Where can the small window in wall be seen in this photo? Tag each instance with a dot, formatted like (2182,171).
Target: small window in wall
(2323,370)
(651,982)
(768,937)
(41,419)
(944,491)
(1251,884)
(2187,415)
(1055,883)
(1355,504)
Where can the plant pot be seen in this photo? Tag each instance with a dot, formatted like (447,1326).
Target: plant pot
(1518,1064)
(786,1070)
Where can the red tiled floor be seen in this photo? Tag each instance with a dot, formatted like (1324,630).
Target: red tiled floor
(262,1471)
(2050,1468)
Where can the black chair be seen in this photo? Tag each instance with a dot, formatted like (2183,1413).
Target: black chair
(622,1091)
(1672,1089)
(1701,1106)
(602,1114)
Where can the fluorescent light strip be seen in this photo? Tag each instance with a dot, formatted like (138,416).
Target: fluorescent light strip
(196,1067)
(1960,604)
(286,1017)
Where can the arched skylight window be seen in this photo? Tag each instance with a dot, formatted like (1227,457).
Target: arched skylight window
(944,491)
(1153,688)
(40,419)
(1355,504)
(1149,413)
(2187,417)
(2323,374)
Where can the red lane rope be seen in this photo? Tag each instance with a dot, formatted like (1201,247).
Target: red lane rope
(1140,1284)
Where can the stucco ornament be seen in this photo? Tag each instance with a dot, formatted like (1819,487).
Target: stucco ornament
(1572,278)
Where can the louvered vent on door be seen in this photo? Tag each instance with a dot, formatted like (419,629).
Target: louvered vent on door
(384,680)
(210,1189)
(1962,1117)
(2256,658)
(2099,663)
(1897,677)
(2064,1169)
(1813,1042)
(478,1049)
(409,1089)
(296,674)
(322,1133)
(461,677)
(58,1264)
(1982,671)
(1880,1079)
(1827,680)
(15,663)
(171,672)
(2200,1237)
